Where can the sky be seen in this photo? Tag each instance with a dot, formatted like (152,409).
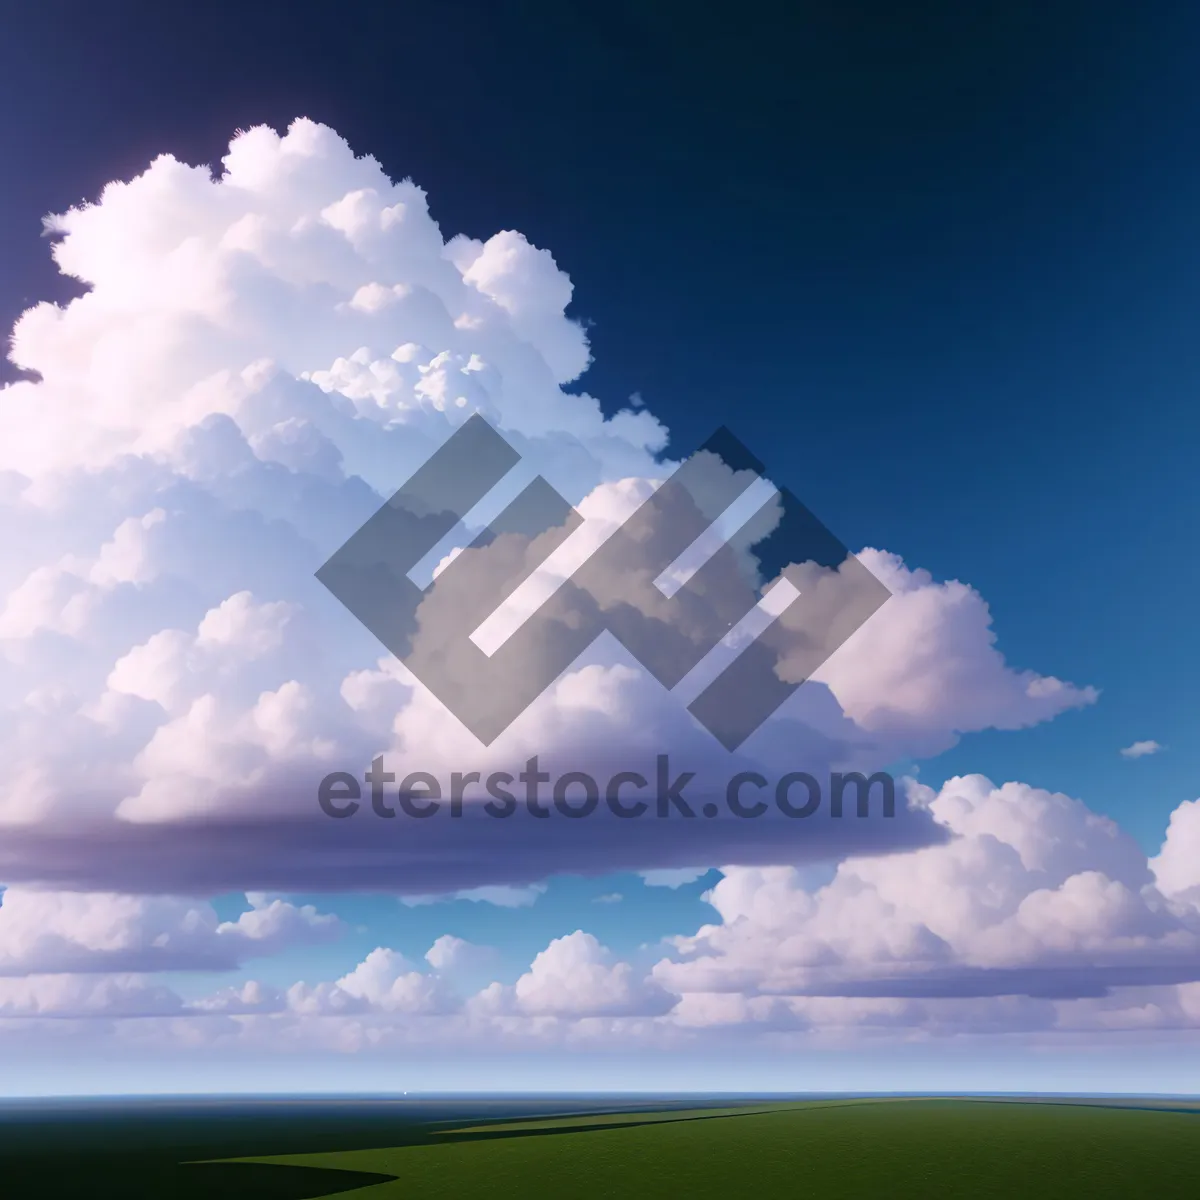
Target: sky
(939,271)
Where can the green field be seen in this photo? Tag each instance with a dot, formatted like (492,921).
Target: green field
(852,1148)
(362,1149)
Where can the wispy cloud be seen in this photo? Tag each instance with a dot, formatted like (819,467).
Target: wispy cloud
(501,895)
(673,877)
(1141,749)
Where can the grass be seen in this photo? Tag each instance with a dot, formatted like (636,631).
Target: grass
(378,1149)
(828,1149)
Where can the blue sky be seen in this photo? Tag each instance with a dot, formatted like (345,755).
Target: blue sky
(942,275)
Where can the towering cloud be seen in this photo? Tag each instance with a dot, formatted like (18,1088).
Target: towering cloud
(260,358)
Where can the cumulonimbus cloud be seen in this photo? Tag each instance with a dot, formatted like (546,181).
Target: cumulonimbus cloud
(260,358)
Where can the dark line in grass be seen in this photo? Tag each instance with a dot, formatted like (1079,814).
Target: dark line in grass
(1114,1107)
(454,1138)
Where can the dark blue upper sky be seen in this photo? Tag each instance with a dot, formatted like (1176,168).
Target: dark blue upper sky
(939,264)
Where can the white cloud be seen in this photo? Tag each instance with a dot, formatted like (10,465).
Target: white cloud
(926,669)
(575,976)
(246,998)
(44,932)
(84,997)
(260,358)
(575,997)
(676,878)
(453,956)
(1035,895)
(1176,867)
(501,895)
(386,980)
(1141,749)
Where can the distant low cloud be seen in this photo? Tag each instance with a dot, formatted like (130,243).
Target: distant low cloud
(451,955)
(1141,749)
(1035,896)
(49,932)
(576,977)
